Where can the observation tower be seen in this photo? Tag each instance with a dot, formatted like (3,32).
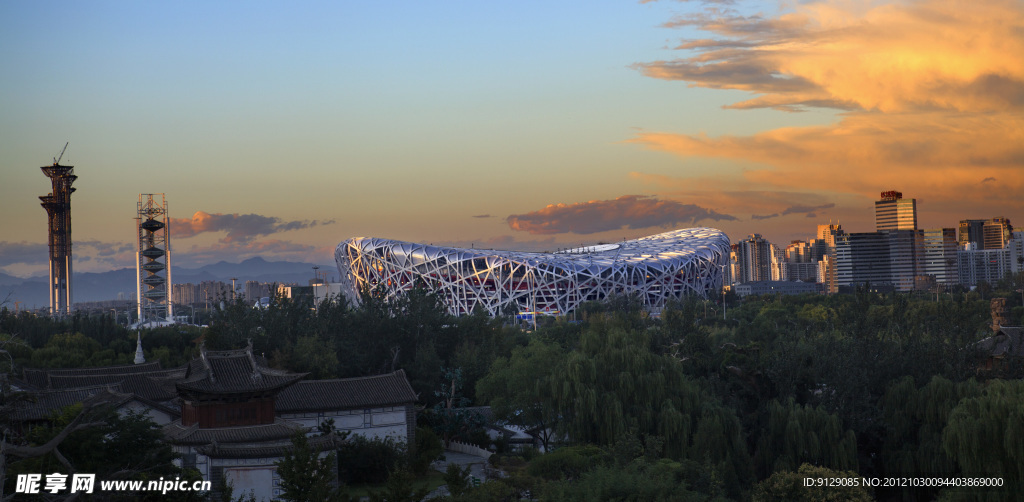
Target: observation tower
(153,258)
(58,211)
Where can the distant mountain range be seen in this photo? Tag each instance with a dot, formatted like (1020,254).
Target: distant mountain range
(93,287)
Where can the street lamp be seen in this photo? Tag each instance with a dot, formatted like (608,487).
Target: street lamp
(723,291)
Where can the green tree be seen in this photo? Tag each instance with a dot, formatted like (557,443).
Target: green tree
(788,486)
(985,435)
(305,475)
(518,388)
(915,419)
(450,417)
(401,487)
(94,438)
(797,434)
(663,480)
(613,383)
(457,479)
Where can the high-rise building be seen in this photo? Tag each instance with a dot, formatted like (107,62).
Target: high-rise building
(58,211)
(940,260)
(800,264)
(905,257)
(993,233)
(863,258)
(894,212)
(756,260)
(990,265)
(892,258)
(185,293)
(214,292)
(971,231)
(255,290)
(825,249)
(798,252)
(997,232)
(828,233)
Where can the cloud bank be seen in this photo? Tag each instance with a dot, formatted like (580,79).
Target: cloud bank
(239,227)
(629,211)
(931,94)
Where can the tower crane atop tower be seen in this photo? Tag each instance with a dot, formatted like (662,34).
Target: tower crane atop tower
(56,160)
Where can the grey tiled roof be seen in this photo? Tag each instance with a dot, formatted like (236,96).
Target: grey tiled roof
(1008,341)
(45,403)
(266,450)
(157,386)
(40,376)
(49,401)
(281,429)
(233,372)
(390,389)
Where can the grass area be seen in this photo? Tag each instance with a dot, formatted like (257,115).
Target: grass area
(431,480)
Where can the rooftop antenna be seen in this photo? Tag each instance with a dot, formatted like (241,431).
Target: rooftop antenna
(57,160)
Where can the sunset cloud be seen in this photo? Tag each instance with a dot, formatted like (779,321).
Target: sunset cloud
(895,57)
(932,95)
(239,227)
(29,258)
(810,211)
(867,150)
(629,211)
(236,251)
(23,252)
(25,259)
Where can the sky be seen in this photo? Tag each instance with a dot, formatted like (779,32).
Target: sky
(281,129)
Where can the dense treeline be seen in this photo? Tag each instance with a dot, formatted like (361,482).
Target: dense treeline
(877,385)
(81,340)
(693,403)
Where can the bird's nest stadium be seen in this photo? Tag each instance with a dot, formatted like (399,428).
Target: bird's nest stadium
(657,269)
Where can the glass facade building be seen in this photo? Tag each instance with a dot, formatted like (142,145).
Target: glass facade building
(894,212)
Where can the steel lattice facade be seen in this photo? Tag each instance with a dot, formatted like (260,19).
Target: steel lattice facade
(658,269)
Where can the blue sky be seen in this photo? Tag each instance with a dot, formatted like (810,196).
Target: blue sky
(436,122)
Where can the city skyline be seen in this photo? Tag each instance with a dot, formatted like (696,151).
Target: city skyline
(279,131)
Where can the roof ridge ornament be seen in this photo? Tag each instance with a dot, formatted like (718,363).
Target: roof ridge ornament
(256,375)
(206,363)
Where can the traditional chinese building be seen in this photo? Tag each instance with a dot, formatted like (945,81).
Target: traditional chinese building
(229,430)
(376,406)
(228,414)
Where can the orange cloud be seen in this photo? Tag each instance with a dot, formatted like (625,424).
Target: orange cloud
(933,94)
(930,151)
(239,227)
(897,57)
(631,211)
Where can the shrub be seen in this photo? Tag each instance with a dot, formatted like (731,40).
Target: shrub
(428,448)
(567,463)
(370,461)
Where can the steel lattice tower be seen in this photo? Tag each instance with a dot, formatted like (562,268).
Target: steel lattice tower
(58,211)
(153,256)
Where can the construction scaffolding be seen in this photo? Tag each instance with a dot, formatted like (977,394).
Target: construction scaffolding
(153,261)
